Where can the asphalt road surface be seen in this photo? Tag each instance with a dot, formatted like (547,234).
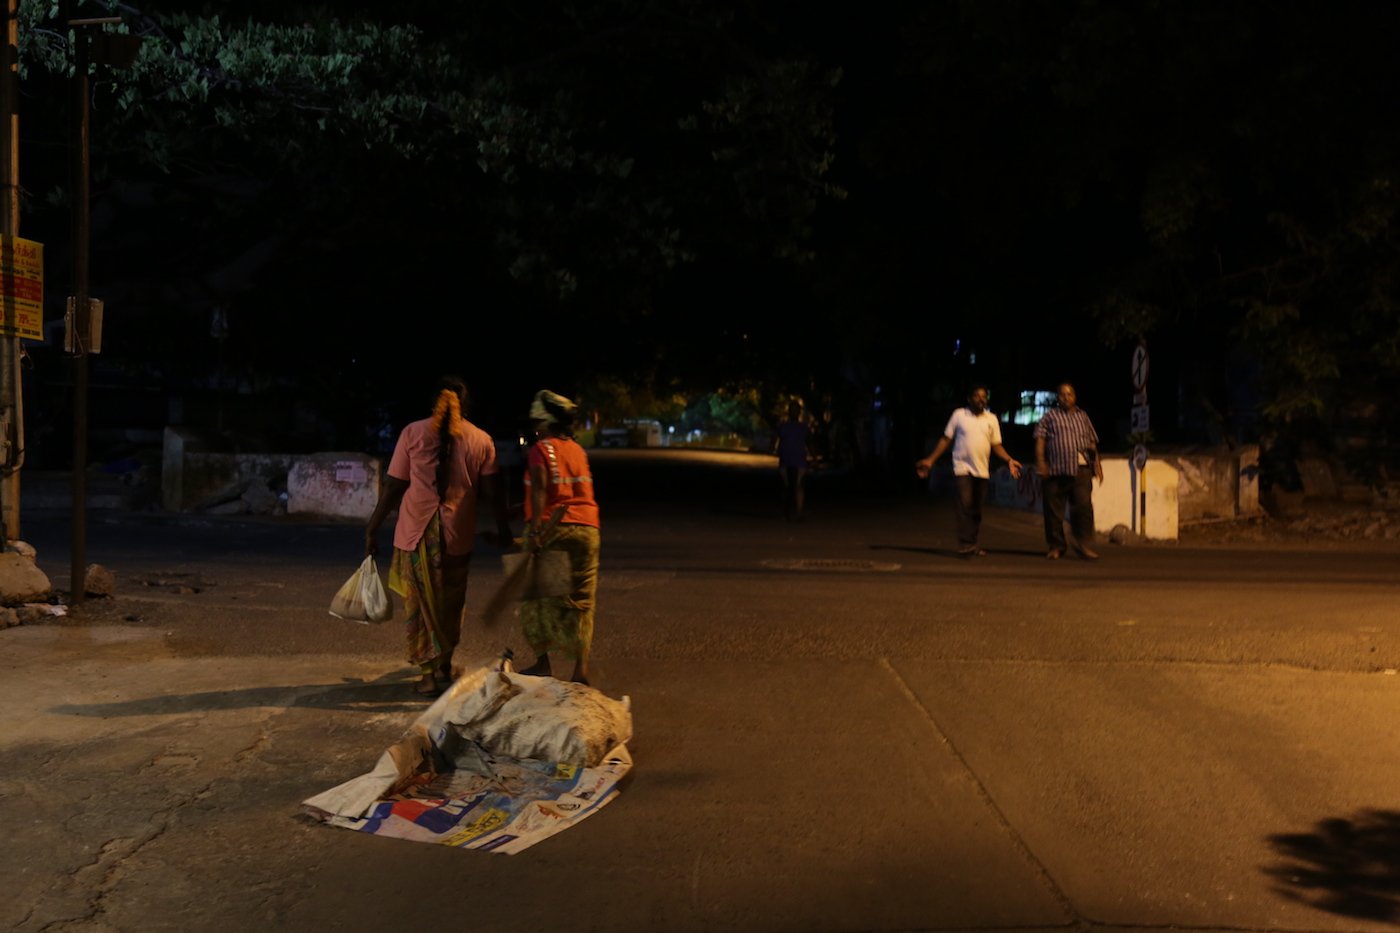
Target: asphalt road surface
(839,726)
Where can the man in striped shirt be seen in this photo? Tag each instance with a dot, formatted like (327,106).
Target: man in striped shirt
(1067,459)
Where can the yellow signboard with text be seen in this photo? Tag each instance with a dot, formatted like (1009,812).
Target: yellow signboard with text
(21,288)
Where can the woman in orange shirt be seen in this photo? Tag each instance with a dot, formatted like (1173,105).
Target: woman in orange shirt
(558,476)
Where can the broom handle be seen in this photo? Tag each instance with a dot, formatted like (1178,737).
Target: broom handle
(511,586)
(550,524)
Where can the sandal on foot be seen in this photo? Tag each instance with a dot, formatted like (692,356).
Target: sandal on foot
(1055,554)
(538,669)
(427,686)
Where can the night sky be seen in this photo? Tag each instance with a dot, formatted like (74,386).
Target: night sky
(1016,192)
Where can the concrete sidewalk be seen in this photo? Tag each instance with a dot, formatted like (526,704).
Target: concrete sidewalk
(949,745)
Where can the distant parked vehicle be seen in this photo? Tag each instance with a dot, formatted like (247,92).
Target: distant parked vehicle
(612,437)
(644,433)
(632,433)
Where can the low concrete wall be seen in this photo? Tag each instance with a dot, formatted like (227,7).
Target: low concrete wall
(335,484)
(1217,484)
(1114,498)
(194,479)
(1206,488)
(172,468)
(1248,504)
(344,485)
(1146,503)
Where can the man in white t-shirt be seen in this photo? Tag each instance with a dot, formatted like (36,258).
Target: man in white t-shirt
(974,434)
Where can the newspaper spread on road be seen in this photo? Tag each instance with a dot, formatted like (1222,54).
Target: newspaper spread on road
(498,763)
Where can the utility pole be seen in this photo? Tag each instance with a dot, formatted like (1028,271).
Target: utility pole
(119,51)
(11,395)
(81,313)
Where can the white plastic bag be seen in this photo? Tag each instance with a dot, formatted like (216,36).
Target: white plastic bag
(362,598)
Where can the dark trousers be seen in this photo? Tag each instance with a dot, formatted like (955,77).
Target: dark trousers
(1079,491)
(971,493)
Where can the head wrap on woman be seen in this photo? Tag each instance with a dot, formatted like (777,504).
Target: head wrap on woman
(552,408)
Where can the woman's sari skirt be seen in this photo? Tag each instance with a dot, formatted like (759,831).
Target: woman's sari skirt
(433,585)
(564,624)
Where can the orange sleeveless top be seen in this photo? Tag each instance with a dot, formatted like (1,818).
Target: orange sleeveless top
(568,480)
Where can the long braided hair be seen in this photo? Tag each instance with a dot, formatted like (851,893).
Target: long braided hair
(447,425)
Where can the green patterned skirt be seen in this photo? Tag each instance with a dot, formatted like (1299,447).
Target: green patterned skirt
(564,624)
(433,585)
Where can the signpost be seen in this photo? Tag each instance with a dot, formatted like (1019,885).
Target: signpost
(1140,367)
(1139,425)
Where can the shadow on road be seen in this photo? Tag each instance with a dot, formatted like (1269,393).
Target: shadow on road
(1347,866)
(389,694)
(952,554)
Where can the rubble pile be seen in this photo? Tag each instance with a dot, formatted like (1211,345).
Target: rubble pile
(1358,523)
(1318,521)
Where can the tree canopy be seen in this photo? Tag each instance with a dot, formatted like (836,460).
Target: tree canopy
(902,198)
(362,191)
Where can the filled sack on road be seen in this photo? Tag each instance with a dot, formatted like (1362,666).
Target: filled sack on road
(540,718)
(498,763)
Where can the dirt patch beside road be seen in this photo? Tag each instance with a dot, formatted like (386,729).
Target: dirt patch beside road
(1322,524)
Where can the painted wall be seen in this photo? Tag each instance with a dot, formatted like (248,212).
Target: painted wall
(1217,484)
(344,485)
(333,484)
(1209,486)
(1146,503)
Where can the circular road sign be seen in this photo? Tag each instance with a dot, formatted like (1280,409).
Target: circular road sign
(1139,457)
(1140,367)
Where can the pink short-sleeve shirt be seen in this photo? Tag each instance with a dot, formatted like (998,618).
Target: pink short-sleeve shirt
(415,462)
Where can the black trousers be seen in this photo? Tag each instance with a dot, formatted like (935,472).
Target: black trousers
(971,493)
(1078,491)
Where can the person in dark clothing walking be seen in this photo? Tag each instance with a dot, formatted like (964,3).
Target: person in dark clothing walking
(792,442)
(1067,459)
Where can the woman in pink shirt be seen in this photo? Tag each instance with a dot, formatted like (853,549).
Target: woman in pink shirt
(440,466)
(558,478)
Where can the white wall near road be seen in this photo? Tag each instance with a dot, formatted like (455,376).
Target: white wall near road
(1146,503)
(344,485)
(1113,499)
